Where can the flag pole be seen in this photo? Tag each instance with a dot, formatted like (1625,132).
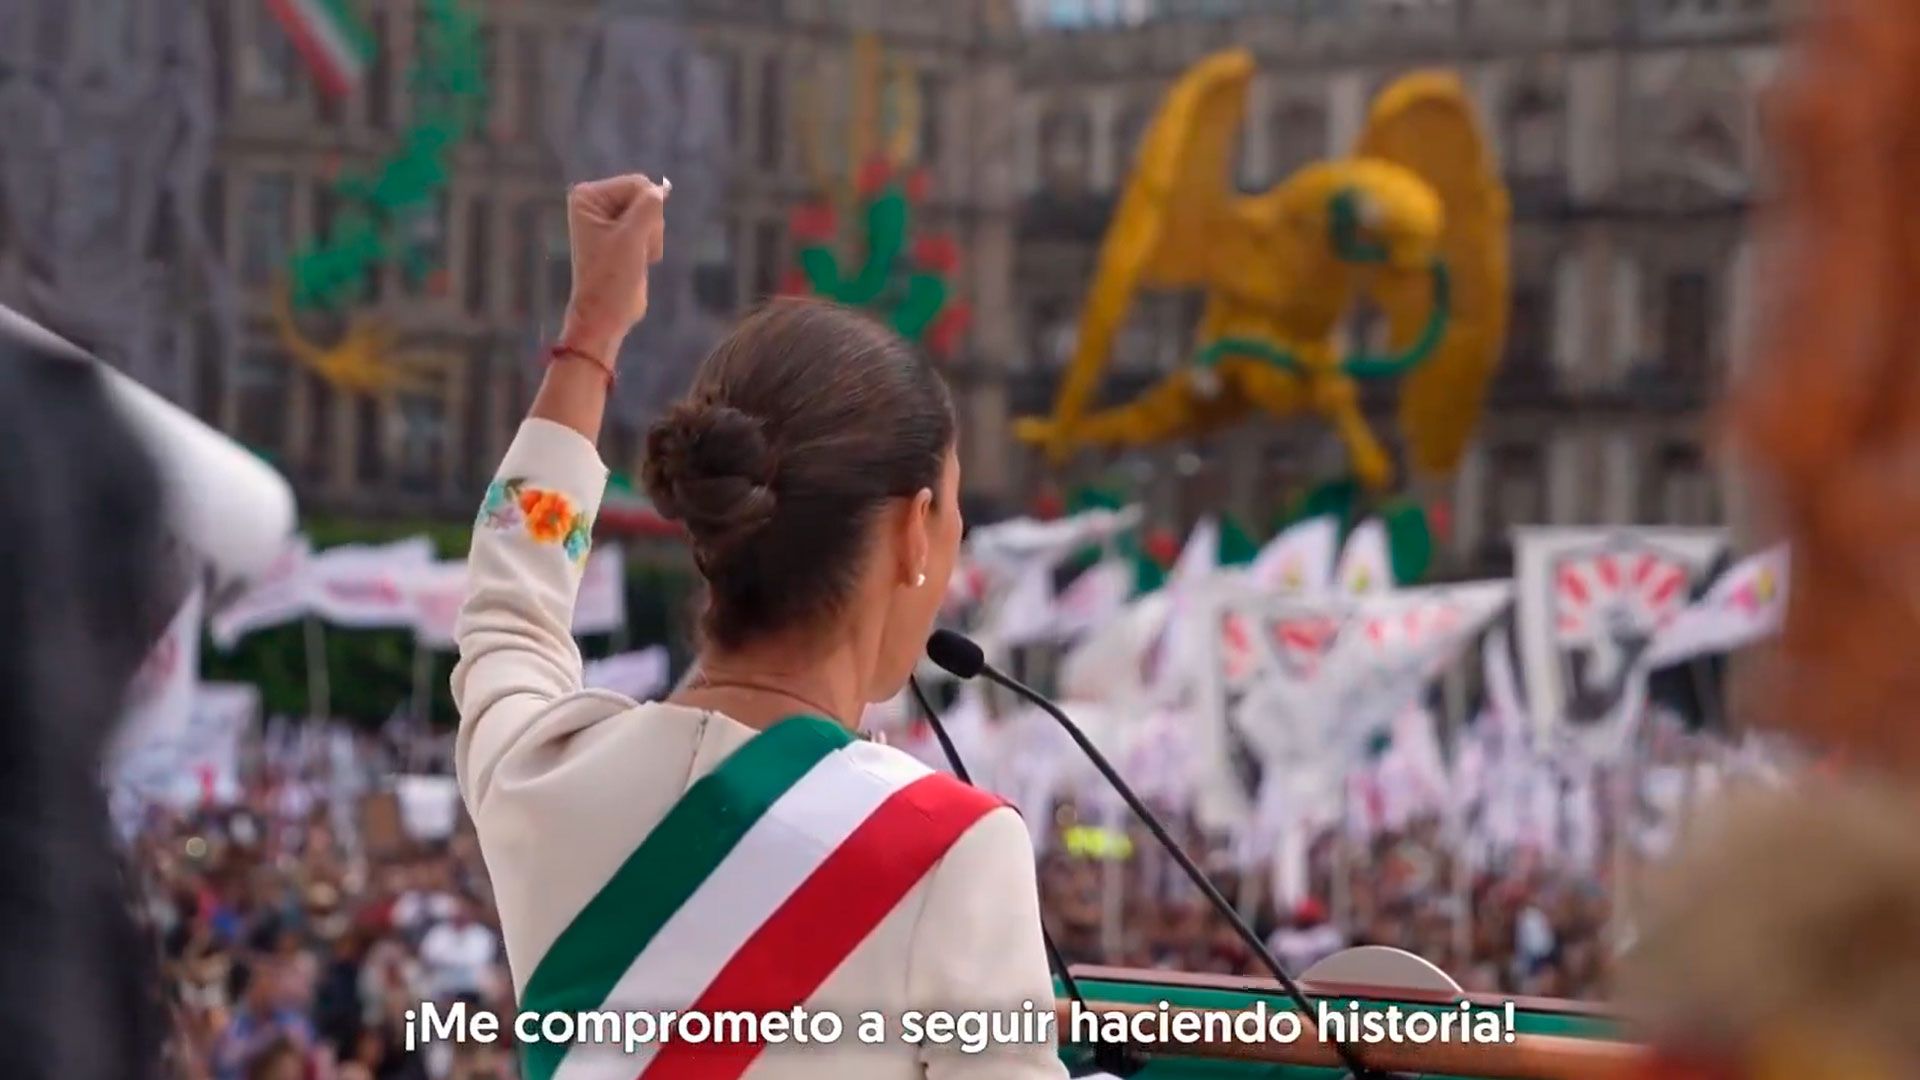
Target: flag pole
(1340,890)
(319,703)
(1111,891)
(422,685)
(422,703)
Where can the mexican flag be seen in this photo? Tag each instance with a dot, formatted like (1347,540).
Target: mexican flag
(331,38)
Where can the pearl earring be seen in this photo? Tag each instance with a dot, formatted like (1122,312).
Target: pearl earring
(919,580)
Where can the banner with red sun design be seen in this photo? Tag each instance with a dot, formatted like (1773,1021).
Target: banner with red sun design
(1590,604)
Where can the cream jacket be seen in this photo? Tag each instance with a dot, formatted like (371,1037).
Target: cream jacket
(563,783)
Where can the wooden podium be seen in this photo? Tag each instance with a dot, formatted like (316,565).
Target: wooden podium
(1553,1040)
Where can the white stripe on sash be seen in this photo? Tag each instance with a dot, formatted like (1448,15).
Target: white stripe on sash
(772,860)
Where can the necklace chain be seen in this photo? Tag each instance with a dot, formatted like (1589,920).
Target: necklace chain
(705,682)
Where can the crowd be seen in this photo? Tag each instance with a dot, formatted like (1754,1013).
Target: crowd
(295,939)
(1525,926)
(295,945)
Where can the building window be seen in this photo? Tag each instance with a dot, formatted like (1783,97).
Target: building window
(731,94)
(161,245)
(1158,335)
(1049,346)
(932,102)
(1686,325)
(769,262)
(328,108)
(475,461)
(714,273)
(1684,487)
(98,197)
(529,89)
(772,123)
(1711,161)
(422,445)
(379,87)
(369,455)
(556,264)
(267,228)
(213,210)
(210,369)
(525,254)
(220,53)
(1296,137)
(1130,132)
(479,240)
(1516,495)
(1529,351)
(495,122)
(269,64)
(319,456)
(425,255)
(1065,147)
(260,401)
(326,206)
(1535,137)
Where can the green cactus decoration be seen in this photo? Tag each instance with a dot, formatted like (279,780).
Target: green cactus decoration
(904,283)
(381,211)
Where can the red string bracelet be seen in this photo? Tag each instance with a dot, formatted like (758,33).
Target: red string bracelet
(561,352)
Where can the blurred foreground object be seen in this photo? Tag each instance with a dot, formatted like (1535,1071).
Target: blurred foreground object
(1416,222)
(1830,416)
(229,508)
(84,577)
(1785,941)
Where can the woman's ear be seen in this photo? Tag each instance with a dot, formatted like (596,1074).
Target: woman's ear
(917,540)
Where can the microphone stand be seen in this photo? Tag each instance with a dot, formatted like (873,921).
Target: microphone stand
(1348,1058)
(1116,1059)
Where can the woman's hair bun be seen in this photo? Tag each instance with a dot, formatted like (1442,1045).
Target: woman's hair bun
(709,467)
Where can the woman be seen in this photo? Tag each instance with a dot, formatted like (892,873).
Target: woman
(737,847)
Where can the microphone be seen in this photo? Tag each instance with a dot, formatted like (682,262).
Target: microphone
(963,658)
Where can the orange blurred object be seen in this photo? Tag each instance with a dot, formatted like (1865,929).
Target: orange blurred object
(1830,417)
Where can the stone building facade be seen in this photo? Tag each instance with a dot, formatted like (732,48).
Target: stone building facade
(1629,129)
(1631,136)
(279,143)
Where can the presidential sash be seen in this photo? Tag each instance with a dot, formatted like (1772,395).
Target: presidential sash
(752,889)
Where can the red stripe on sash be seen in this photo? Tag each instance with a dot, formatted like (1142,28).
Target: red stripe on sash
(827,917)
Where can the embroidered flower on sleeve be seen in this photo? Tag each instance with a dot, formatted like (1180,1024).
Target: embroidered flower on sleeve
(579,538)
(548,516)
(500,509)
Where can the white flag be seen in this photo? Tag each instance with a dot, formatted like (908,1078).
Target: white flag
(1023,614)
(1199,559)
(1189,638)
(1007,546)
(159,702)
(1097,595)
(429,806)
(1396,644)
(639,675)
(363,585)
(1590,604)
(279,595)
(1299,560)
(1366,565)
(1745,605)
(1505,707)
(438,592)
(601,606)
(199,763)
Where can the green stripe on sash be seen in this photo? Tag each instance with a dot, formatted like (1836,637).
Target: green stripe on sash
(587,960)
